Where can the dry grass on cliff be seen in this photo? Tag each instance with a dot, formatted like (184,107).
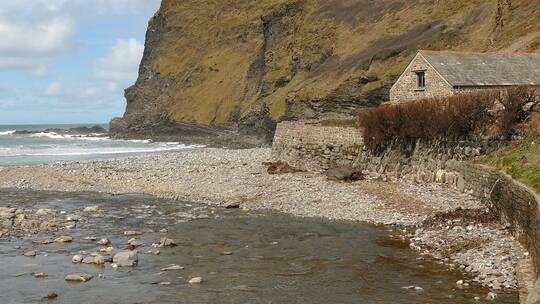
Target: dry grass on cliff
(491,113)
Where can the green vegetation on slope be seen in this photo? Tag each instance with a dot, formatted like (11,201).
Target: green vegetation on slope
(521,161)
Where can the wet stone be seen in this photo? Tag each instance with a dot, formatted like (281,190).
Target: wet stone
(31,253)
(126,259)
(83,277)
(103,242)
(196,280)
(77,259)
(64,239)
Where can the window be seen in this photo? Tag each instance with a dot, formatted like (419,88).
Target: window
(420,80)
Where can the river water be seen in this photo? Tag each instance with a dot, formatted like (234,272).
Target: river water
(271,258)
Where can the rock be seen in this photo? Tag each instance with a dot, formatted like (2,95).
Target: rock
(43,212)
(344,173)
(52,295)
(165,283)
(78,277)
(226,253)
(126,258)
(132,233)
(196,280)
(232,205)
(73,218)
(91,209)
(165,242)
(491,296)
(40,275)
(31,253)
(76,259)
(103,242)
(460,282)
(107,250)
(280,167)
(172,267)
(63,239)
(154,252)
(96,260)
(134,243)
(90,238)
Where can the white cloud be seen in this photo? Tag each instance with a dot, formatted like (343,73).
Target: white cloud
(121,63)
(31,45)
(54,89)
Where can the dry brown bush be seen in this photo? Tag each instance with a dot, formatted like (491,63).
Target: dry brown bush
(450,118)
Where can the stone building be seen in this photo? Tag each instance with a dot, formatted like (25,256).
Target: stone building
(443,73)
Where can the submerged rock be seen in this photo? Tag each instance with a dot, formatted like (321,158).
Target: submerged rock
(196,280)
(52,295)
(172,267)
(126,259)
(83,277)
(165,242)
(31,253)
(132,233)
(63,239)
(91,209)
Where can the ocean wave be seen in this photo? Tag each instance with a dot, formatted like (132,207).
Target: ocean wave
(4,133)
(87,152)
(90,137)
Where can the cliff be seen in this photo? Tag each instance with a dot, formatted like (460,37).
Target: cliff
(218,68)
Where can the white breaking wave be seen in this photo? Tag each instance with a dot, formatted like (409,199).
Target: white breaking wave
(89,137)
(4,133)
(81,152)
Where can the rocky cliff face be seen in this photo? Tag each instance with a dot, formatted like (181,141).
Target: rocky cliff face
(219,68)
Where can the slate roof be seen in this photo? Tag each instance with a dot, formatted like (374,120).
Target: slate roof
(486,69)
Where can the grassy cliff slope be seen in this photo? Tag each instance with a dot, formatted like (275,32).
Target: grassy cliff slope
(244,64)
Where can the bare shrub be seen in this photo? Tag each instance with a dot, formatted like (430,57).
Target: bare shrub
(514,102)
(451,118)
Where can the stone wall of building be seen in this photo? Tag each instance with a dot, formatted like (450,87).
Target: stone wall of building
(314,148)
(405,87)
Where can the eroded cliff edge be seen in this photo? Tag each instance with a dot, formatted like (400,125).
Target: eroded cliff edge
(231,69)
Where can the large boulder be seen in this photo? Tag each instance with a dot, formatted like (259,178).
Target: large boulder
(126,259)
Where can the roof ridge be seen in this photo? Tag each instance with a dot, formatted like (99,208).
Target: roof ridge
(477,53)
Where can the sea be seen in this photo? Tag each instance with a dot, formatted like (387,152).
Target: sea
(41,147)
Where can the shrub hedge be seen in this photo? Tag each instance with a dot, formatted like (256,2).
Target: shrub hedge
(482,113)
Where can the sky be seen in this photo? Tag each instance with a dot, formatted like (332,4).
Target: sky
(69,61)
